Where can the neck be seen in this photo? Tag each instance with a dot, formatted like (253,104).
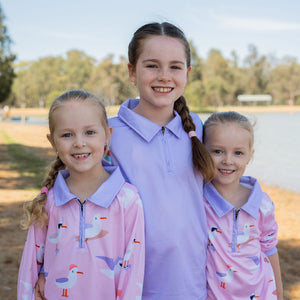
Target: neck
(159,115)
(84,186)
(236,194)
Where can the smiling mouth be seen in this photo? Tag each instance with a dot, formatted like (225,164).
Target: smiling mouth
(226,172)
(162,89)
(81,155)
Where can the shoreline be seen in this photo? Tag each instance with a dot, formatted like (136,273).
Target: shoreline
(112,110)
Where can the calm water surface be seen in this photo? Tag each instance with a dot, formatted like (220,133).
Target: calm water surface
(276,159)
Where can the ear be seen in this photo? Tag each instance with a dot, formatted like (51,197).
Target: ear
(108,134)
(131,71)
(51,141)
(251,156)
(188,75)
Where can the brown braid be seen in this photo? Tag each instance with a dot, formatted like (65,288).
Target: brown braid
(34,211)
(201,157)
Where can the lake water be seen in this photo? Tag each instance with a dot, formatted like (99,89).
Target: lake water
(276,160)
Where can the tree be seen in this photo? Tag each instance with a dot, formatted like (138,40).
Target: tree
(6,61)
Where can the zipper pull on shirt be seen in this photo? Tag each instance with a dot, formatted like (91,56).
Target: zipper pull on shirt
(163,130)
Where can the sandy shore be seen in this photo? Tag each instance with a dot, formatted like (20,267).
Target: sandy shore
(12,196)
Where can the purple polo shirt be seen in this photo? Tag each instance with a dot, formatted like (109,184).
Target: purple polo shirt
(158,161)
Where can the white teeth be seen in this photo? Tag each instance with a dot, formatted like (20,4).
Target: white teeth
(163,90)
(226,171)
(80,155)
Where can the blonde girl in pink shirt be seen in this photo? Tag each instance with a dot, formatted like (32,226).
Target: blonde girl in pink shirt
(86,227)
(242,259)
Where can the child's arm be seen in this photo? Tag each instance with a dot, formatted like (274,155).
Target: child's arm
(132,271)
(269,240)
(274,259)
(32,260)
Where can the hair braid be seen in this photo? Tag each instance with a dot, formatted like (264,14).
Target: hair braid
(34,211)
(201,157)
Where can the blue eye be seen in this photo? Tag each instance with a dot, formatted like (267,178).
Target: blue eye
(90,132)
(238,153)
(175,67)
(151,66)
(68,134)
(217,151)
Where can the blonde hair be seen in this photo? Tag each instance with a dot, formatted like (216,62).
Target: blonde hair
(34,210)
(219,118)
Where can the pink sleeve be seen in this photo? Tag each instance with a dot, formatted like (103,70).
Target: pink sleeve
(32,260)
(132,272)
(268,226)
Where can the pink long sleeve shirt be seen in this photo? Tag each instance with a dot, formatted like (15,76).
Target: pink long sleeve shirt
(90,250)
(240,242)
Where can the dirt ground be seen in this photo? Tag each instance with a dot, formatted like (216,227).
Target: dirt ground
(13,194)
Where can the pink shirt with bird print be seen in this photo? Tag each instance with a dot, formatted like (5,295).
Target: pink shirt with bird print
(90,250)
(240,241)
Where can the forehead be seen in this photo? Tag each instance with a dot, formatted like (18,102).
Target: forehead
(75,112)
(229,133)
(163,46)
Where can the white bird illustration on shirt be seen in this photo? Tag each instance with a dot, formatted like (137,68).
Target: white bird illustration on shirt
(66,283)
(40,253)
(244,236)
(95,230)
(115,266)
(226,277)
(128,253)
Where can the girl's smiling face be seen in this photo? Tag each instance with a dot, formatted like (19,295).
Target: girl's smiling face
(229,145)
(160,74)
(79,136)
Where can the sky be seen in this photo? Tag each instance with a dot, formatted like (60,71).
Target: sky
(41,28)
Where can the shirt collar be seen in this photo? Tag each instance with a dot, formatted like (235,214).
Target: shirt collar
(222,207)
(104,195)
(143,126)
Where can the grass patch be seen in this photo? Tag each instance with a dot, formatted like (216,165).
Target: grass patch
(31,167)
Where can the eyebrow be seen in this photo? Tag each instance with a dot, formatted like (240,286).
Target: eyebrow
(157,61)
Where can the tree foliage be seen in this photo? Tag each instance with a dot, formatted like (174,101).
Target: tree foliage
(6,61)
(213,81)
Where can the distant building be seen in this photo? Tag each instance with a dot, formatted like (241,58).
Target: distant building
(254,99)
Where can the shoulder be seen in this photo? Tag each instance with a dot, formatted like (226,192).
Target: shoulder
(196,119)
(50,203)
(199,125)
(115,121)
(128,195)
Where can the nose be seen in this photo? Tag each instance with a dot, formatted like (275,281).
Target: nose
(227,159)
(163,75)
(79,142)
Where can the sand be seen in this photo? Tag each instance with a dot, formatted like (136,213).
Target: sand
(13,194)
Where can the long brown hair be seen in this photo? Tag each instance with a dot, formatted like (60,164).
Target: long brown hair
(201,157)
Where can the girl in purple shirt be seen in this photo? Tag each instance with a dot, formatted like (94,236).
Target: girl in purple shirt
(242,259)
(156,143)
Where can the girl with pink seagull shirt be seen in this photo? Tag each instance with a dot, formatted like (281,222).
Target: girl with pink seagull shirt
(242,259)
(86,227)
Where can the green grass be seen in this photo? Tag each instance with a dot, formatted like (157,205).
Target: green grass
(31,167)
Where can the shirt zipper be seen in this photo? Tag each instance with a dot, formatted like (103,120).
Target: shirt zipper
(163,130)
(235,230)
(82,224)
